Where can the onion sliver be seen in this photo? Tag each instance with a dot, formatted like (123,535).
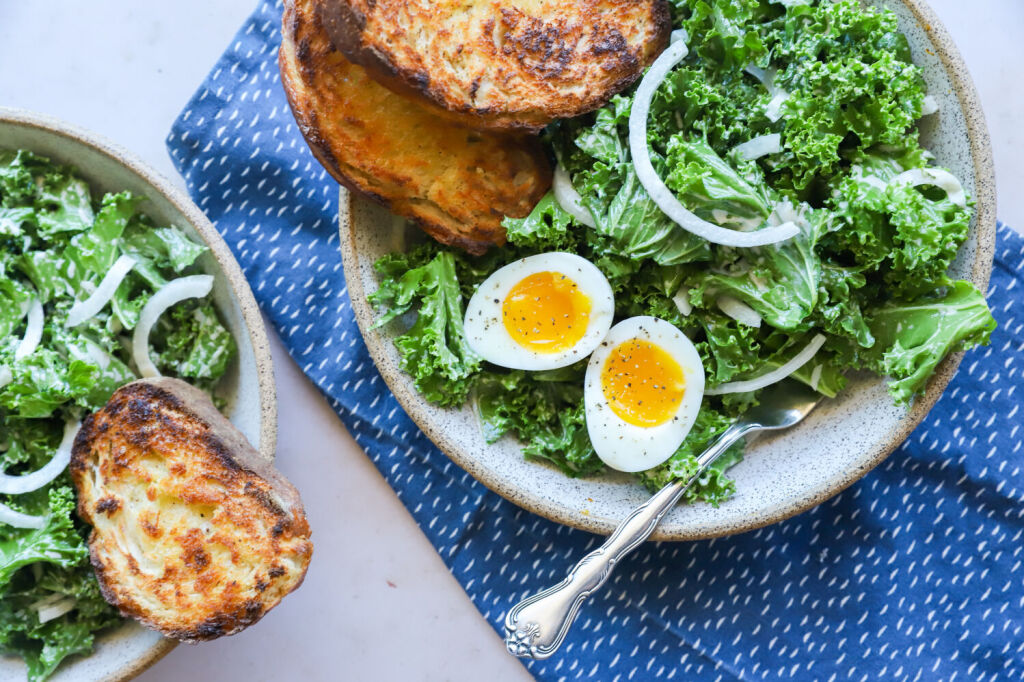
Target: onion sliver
(16,485)
(84,310)
(57,609)
(739,311)
(760,74)
(175,291)
(773,110)
(569,199)
(934,176)
(97,354)
(759,146)
(929,106)
(774,376)
(682,301)
(6,376)
(816,376)
(19,520)
(48,600)
(875,182)
(659,193)
(33,331)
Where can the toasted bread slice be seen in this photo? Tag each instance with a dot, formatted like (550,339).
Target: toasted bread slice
(456,183)
(506,64)
(195,534)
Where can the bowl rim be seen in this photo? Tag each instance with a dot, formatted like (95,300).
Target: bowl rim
(981,269)
(227,265)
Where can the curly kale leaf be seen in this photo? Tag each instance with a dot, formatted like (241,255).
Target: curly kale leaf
(724,33)
(714,486)
(851,85)
(780,281)
(546,228)
(629,223)
(913,337)
(544,410)
(192,343)
(434,349)
(709,186)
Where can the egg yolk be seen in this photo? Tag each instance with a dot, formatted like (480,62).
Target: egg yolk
(642,383)
(546,312)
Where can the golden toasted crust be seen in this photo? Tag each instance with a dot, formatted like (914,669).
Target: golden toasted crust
(194,533)
(456,183)
(504,64)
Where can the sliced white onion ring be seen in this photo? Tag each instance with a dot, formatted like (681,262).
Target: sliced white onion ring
(929,106)
(84,310)
(19,520)
(569,199)
(774,376)
(682,301)
(175,291)
(739,311)
(33,331)
(659,193)
(759,146)
(934,176)
(17,485)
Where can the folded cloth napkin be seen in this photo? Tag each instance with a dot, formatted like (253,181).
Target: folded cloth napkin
(914,573)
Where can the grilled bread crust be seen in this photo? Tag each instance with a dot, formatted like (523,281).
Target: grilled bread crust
(457,184)
(194,534)
(504,64)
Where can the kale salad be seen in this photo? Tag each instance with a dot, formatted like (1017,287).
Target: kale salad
(76,275)
(772,115)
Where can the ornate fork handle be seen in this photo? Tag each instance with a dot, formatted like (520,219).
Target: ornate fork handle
(536,626)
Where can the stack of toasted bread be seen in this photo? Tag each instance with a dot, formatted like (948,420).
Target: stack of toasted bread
(433,108)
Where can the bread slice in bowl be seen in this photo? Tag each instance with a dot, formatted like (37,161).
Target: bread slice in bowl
(194,533)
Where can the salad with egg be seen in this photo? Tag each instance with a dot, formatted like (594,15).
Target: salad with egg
(92,296)
(757,208)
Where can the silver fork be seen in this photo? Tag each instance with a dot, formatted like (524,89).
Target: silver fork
(536,626)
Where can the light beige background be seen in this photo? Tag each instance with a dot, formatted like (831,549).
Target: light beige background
(378,603)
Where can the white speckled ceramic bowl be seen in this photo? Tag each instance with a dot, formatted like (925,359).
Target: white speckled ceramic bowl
(124,652)
(782,475)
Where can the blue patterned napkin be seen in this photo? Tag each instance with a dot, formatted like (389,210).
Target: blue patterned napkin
(914,573)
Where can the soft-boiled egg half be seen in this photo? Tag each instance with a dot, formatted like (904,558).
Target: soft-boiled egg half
(643,391)
(541,312)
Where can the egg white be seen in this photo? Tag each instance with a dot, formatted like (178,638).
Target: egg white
(625,446)
(485,329)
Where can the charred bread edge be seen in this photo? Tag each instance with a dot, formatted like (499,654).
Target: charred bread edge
(220,441)
(344,24)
